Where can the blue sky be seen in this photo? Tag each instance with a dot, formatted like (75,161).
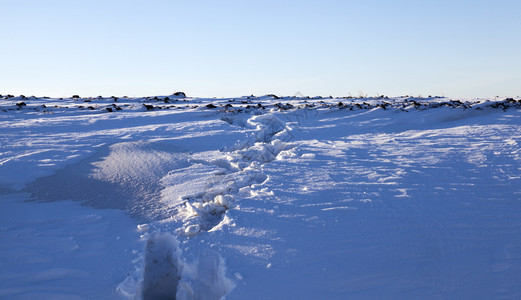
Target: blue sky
(233,48)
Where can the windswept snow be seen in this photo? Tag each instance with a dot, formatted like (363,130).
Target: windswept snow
(259,198)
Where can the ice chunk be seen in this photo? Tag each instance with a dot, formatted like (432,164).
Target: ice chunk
(192,230)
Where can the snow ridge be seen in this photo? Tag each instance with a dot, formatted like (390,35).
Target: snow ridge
(115,105)
(199,198)
(233,176)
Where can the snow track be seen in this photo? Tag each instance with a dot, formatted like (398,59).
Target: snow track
(198,198)
(161,270)
(215,186)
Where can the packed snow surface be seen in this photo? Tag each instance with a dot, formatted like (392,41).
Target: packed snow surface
(260,198)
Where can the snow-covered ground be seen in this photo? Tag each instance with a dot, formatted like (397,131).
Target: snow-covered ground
(260,198)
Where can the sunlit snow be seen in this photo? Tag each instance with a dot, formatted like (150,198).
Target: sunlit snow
(260,198)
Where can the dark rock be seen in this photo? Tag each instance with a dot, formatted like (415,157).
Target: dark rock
(116,107)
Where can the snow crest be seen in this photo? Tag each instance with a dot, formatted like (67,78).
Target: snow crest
(198,199)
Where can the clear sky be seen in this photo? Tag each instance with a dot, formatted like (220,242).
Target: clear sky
(234,48)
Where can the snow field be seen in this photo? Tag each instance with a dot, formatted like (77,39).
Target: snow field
(61,250)
(366,198)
